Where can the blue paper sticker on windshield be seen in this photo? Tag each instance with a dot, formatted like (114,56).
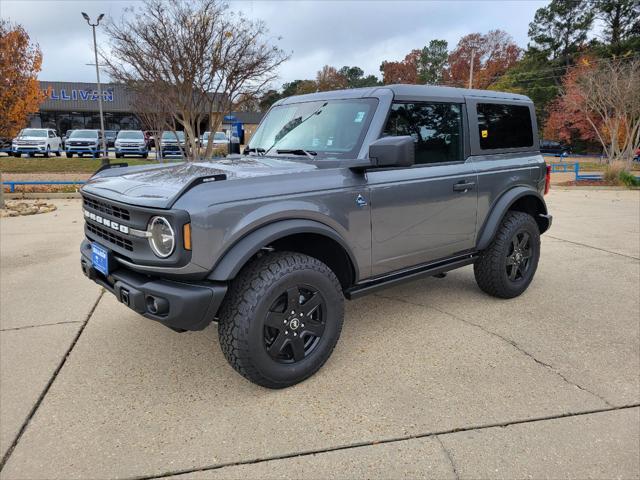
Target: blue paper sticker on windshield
(359,117)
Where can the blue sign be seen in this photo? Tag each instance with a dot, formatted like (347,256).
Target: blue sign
(80,94)
(229,118)
(237,129)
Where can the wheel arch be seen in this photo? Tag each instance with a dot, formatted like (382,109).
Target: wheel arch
(297,235)
(521,199)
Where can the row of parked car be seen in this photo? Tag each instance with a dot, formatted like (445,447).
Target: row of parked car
(46,142)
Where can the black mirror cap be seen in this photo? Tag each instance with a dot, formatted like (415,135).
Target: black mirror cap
(392,152)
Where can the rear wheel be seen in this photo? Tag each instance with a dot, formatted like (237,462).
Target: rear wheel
(281,319)
(507,267)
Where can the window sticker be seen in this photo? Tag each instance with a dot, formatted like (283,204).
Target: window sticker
(359,117)
(485,133)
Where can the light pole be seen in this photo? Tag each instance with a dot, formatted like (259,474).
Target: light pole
(105,154)
(473,54)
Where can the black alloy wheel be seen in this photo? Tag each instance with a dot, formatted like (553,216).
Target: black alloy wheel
(294,324)
(519,256)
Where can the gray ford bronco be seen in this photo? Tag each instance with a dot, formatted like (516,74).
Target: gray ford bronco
(338,194)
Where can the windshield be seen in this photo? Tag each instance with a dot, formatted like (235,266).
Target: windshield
(132,135)
(84,134)
(330,128)
(33,132)
(172,135)
(219,136)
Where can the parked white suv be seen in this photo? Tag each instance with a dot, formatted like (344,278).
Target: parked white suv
(30,141)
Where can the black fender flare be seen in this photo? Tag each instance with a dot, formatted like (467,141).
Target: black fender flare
(228,266)
(502,206)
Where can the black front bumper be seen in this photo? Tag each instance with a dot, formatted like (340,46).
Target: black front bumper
(179,306)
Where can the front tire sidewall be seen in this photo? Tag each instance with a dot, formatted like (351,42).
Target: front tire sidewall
(287,374)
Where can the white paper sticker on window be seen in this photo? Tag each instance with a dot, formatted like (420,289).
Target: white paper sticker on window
(359,117)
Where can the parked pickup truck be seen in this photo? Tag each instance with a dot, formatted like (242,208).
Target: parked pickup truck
(338,194)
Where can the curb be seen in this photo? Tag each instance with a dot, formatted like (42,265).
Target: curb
(33,195)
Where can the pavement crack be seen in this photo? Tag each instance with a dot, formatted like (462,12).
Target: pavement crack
(510,342)
(47,387)
(592,247)
(449,457)
(371,443)
(38,326)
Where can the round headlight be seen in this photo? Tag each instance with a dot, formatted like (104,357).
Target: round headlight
(161,238)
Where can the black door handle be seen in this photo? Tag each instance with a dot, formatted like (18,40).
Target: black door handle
(463,186)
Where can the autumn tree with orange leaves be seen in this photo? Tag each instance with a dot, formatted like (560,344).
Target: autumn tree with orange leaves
(493,54)
(20,94)
(600,101)
(405,71)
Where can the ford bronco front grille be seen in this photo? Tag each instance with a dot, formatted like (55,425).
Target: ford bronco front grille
(110,236)
(107,209)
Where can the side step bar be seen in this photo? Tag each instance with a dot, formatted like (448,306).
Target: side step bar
(397,278)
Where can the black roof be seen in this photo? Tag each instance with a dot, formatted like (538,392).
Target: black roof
(409,92)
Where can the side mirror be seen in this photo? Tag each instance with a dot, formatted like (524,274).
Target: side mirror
(392,152)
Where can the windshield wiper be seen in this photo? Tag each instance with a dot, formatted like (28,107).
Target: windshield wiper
(248,150)
(286,132)
(299,151)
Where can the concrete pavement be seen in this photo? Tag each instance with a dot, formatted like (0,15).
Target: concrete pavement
(430,379)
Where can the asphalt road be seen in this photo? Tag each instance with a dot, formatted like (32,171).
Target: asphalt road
(430,379)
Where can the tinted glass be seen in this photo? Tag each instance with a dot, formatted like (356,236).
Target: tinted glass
(172,135)
(84,134)
(331,128)
(436,129)
(504,126)
(219,136)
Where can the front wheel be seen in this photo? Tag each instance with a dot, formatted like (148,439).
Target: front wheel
(47,154)
(281,319)
(506,268)
(69,155)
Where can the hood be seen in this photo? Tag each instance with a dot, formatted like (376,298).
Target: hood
(161,185)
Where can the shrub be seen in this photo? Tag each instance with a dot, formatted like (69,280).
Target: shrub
(612,173)
(629,179)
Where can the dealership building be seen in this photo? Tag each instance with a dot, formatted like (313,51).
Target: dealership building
(74,105)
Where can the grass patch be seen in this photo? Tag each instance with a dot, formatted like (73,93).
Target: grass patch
(59,164)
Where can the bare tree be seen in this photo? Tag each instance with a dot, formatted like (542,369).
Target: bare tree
(198,56)
(152,113)
(609,96)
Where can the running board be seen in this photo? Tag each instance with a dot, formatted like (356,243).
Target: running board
(397,278)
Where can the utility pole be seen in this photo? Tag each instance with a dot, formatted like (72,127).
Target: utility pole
(473,54)
(105,154)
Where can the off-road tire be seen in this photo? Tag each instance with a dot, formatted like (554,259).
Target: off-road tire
(250,296)
(490,269)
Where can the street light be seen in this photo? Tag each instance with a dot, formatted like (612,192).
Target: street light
(105,156)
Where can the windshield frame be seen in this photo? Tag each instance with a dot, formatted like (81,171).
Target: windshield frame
(372,102)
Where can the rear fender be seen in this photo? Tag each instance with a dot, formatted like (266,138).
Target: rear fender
(510,199)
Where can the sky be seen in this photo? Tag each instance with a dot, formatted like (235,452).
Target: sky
(315,33)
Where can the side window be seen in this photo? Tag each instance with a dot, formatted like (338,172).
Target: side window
(435,127)
(504,126)
(51,134)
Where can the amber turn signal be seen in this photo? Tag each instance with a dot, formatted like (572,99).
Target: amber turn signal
(186,234)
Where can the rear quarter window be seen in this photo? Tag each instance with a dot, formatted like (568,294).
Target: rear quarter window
(504,126)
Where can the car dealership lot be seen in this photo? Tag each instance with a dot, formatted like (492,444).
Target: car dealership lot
(429,379)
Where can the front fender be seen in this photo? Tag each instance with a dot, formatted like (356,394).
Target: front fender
(502,206)
(245,248)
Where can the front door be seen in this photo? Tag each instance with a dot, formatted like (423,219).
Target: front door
(426,212)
